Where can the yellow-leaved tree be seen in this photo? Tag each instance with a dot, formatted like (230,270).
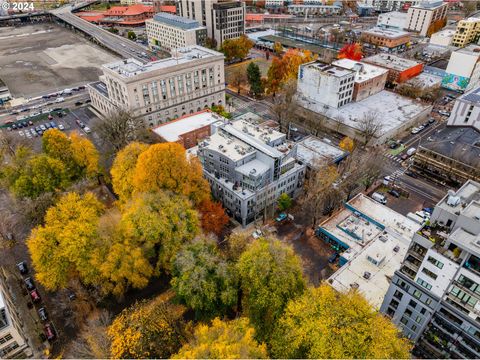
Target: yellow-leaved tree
(223,340)
(62,248)
(123,169)
(160,223)
(167,167)
(325,324)
(148,329)
(347,144)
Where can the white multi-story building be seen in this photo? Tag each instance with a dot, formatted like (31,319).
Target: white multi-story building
(443,37)
(328,84)
(435,295)
(392,20)
(463,70)
(390,5)
(13,344)
(167,31)
(312,10)
(427,17)
(191,80)
(466,110)
(248,167)
(223,19)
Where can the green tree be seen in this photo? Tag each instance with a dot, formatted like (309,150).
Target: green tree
(270,275)
(203,280)
(284,202)
(160,223)
(325,324)
(131,35)
(223,340)
(62,248)
(41,174)
(254,79)
(153,329)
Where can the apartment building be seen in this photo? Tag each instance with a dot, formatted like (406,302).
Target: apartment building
(13,344)
(435,295)
(312,10)
(248,167)
(466,110)
(390,5)
(167,31)
(191,80)
(369,79)
(427,17)
(467,31)
(399,69)
(463,70)
(223,19)
(443,37)
(327,83)
(388,40)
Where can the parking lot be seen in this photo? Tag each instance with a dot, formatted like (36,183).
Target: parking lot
(46,57)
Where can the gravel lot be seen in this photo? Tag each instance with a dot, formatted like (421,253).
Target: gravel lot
(38,59)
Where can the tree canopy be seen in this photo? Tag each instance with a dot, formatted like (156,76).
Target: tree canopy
(254,78)
(62,248)
(213,216)
(223,340)
(236,48)
(203,280)
(325,324)
(351,51)
(270,275)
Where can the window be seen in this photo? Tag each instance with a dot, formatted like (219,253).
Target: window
(469,284)
(398,294)
(429,273)
(417,294)
(412,303)
(435,262)
(423,311)
(423,283)
(404,320)
(463,296)
(428,301)
(418,319)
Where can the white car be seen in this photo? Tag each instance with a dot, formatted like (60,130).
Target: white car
(87,130)
(415,130)
(61,127)
(60,99)
(257,233)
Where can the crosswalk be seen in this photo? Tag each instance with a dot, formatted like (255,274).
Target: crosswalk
(393,157)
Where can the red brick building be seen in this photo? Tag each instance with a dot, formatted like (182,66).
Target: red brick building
(399,69)
(133,15)
(189,129)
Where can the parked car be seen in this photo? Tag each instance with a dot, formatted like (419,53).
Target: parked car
(78,103)
(35,296)
(30,122)
(394,145)
(367,275)
(42,314)
(29,283)
(394,193)
(21,133)
(50,332)
(411,151)
(444,113)
(42,127)
(281,217)
(22,267)
(25,124)
(411,174)
(257,233)
(415,130)
(379,197)
(61,127)
(333,258)
(87,130)
(431,120)
(404,156)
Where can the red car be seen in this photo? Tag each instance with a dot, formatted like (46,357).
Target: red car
(50,332)
(35,295)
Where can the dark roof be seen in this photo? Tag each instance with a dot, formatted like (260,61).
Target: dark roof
(472,97)
(459,143)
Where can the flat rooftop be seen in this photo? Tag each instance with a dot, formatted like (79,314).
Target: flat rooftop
(171,131)
(425,80)
(445,33)
(100,87)
(391,61)
(268,136)
(363,72)
(314,151)
(460,200)
(328,69)
(392,110)
(472,97)
(459,143)
(371,231)
(176,21)
(429,4)
(386,33)
(131,67)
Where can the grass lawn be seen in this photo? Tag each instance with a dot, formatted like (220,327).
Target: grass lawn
(262,63)
(398,150)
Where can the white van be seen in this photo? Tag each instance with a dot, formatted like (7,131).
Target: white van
(379,197)
(411,151)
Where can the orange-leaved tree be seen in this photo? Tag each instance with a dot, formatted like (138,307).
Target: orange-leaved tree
(352,51)
(213,216)
(347,144)
(167,167)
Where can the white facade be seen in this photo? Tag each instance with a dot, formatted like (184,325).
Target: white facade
(390,5)
(249,167)
(310,10)
(463,70)
(223,20)
(443,37)
(191,80)
(324,83)
(392,19)
(167,31)
(12,341)
(466,110)
(421,17)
